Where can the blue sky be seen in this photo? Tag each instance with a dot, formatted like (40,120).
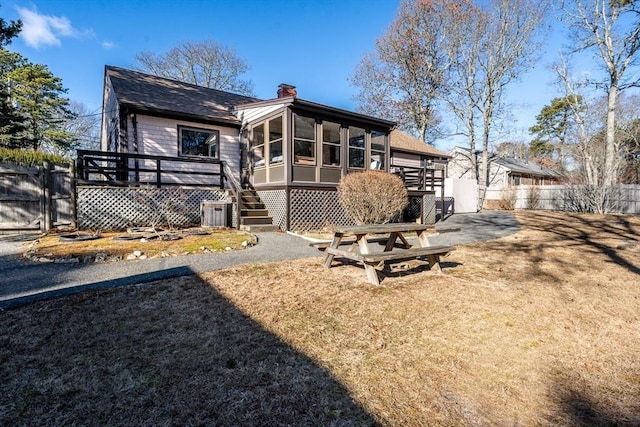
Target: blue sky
(312,44)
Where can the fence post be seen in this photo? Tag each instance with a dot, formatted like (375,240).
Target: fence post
(46,181)
(72,193)
(158,174)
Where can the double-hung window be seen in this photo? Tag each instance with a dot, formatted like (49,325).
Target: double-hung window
(275,140)
(330,144)
(378,149)
(304,140)
(357,147)
(199,142)
(257,145)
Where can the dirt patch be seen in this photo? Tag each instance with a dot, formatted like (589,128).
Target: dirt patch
(139,244)
(538,328)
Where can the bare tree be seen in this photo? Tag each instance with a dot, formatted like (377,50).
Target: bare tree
(405,77)
(510,46)
(205,63)
(491,47)
(611,28)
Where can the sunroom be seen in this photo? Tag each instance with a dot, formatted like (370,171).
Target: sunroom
(296,151)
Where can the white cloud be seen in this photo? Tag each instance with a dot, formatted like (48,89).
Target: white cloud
(108,45)
(44,30)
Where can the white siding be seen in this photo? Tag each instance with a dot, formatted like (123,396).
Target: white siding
(249,115)
(110,113)
(159,137)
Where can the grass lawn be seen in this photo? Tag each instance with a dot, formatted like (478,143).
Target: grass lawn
(538,328)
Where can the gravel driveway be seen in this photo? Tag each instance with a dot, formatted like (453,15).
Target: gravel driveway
(23,281)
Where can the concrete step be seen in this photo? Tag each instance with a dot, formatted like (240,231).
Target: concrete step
(258,228)
(255,220)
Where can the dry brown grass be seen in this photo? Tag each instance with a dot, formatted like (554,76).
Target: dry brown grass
(538,328)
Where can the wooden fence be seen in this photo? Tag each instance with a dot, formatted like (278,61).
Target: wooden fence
(623,198)
(36,198)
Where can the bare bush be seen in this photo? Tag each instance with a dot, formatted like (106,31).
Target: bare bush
(508,199)
(372,197)
(533,197)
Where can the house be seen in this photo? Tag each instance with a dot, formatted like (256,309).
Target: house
(283,157)
(504,171)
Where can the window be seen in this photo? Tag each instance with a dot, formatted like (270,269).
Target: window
(357,148)
(330,144)
(199,142)
(378,149)
(304,140)
(257,145)
(275,140)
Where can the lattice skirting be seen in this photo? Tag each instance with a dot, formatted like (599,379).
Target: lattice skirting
(316,210)
(428,209)
(116,208)
(276,203)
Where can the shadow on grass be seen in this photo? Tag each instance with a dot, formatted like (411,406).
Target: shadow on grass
(172,352)
(577,405)
(590,230)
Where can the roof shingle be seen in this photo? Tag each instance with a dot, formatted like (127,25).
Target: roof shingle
(157,94)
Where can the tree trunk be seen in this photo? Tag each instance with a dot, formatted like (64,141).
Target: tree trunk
(610,153)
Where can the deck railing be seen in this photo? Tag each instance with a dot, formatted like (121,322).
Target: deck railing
(133,170)
(426,177)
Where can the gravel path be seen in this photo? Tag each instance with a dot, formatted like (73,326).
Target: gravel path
(23,281)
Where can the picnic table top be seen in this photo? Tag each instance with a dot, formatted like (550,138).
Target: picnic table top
(383,228)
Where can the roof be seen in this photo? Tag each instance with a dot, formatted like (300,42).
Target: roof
(325,110)
(146,92)
(161,95)
(525,166)
(402,141)
(522,166)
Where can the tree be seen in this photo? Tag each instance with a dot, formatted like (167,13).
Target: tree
(494,45)
(552,126)
(11,121)
(83,126)
(405,78)
(205,63)
(509,48)
(38,95)
(610,29)
(8,31)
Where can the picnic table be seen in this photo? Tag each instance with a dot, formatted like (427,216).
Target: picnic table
(358,241)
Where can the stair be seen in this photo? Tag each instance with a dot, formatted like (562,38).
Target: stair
(254,215)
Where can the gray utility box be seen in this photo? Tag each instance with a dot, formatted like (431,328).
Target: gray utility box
(214,214)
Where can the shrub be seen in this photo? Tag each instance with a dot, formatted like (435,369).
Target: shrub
(29,158)
(533,197)
(508,199)
(372,197)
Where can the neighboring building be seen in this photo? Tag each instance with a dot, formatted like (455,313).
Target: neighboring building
(290,151)
(503,171)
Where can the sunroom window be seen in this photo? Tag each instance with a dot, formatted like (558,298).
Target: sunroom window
(330,144)
(378,149)
(199,142)
(357,147)
(275,140)
(304,140)
(257,145)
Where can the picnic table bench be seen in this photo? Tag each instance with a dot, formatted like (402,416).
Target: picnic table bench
(396,246)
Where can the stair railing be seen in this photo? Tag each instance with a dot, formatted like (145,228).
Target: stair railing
(236,188)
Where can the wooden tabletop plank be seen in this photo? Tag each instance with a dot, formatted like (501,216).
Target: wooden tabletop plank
(383,228)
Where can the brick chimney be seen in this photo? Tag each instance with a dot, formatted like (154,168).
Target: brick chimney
(285,90)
